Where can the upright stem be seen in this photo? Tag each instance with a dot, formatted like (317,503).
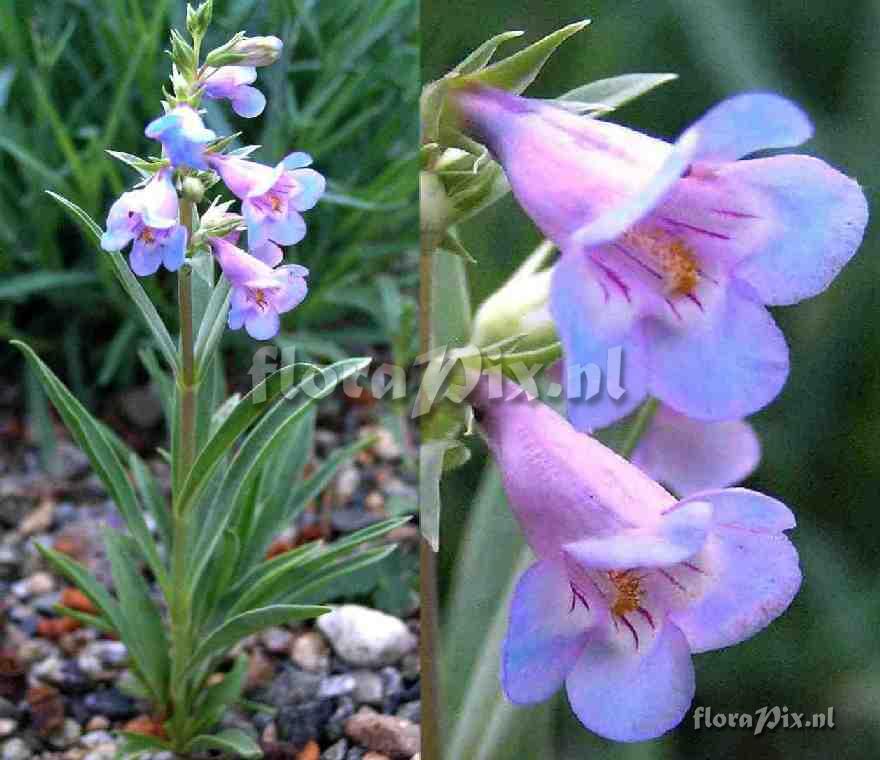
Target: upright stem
(640,425)
(429,608)
(187,394)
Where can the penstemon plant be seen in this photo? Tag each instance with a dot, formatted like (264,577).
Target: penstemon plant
(668,255)
(236,463)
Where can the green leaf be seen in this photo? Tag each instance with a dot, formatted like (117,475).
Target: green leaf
(232,740)
(518,71)
(278,513)
(141,629)
(89,435)
(129,282)
(92,621)
(86,582)
(250,408)
(315,582)
(243,625)
(139,744)
(215,699)
(248,461)
(613,92)
(483,54)
(276,578)
(20,287)
(213,324)
(151,496)
(163,383)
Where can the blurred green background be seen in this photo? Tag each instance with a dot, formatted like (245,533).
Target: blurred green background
(80,76)
(820,437)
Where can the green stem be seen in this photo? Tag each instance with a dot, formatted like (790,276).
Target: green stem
(429,607)
(640,425)
(187,395)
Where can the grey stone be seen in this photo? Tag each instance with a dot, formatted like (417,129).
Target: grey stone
(411,711)
(392,736)
(7,727)
(299,723)
(110,703)
(66,736)
(337,686)
(336,751)
(335,728)
(369,688)
(365,637)
(311,652)
(291,686)
(15,749)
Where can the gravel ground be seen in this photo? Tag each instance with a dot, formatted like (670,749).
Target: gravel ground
(343,688)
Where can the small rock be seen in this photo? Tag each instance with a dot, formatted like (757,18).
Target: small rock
(411,711)
(112,654)
(270,733)
(300,723)
(375,502)
(98,723)
(94,738)
(34,585)
(73,680)
(337,686)
(66,736)
(277,640)
(335,728)
(91,666)
(392,683)
(111,703)
(392,736)
(102,752)
(261,670)
(39,520)
(310,652)
(15,749)
(366,637)
(347,483)
(350,519)
(336,751)
(7,709)
(10,562)
(369,688)
(7,727)
(376,756)
(292,685)
(355,753)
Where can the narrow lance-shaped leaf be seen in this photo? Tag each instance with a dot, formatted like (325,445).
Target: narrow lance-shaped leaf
(278,513)
(483,54)
(142,629)
(241,626)
(252,454)
(90,437)
(229,741)
(250,408)
(518,71)
(614,92)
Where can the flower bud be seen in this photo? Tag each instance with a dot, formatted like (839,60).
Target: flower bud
(520,307)
(217,221)
(183,56)
(199,19)
(193,189)
(246,51)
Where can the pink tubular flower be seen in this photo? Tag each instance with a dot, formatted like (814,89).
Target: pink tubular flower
(272,198)
(232,83)
(149,217)
(628,582)
(690,455)
(672,251)
(260,293)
